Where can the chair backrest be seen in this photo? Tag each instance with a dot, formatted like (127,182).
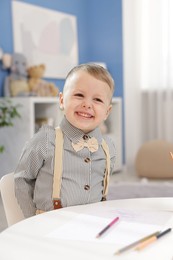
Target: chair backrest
(12,209)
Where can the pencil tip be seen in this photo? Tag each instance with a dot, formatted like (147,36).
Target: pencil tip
(171,154)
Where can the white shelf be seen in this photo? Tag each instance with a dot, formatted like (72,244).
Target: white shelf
(114,125)
(32,108)
(14,138)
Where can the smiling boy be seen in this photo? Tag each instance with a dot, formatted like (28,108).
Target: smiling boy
(86,103)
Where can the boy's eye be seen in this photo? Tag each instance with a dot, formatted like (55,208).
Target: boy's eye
(78,95)
(99,100)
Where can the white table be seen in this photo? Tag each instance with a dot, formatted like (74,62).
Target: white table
(27,240)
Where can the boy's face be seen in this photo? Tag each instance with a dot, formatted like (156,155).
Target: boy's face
(86,101)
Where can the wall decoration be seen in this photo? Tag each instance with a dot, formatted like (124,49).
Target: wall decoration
(45,36)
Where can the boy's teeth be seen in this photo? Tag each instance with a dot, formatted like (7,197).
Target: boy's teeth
(85,115)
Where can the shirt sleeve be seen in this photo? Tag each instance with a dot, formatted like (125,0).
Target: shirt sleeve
(31,160)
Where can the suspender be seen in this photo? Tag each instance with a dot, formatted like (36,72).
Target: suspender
(58,168)
(107,174)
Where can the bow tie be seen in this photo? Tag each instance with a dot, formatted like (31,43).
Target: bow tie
(91,144)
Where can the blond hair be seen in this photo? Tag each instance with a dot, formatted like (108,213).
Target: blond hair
(96,71)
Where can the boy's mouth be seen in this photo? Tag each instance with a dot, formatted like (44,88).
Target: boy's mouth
(85,115)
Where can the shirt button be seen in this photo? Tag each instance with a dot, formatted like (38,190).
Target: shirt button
(85,137)
(86,187)
(87,160)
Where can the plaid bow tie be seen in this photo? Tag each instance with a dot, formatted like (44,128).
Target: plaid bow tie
(91,144)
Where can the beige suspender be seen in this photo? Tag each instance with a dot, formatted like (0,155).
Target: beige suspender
(107,174)
(58,168)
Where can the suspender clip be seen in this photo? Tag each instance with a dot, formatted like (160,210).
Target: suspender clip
(57,203)
(103,198)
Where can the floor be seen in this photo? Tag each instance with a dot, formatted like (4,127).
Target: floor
(124,184)
(129,175)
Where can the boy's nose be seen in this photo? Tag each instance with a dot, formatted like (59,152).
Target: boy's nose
(86,104)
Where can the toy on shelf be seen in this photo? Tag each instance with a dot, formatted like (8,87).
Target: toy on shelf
(38,86)
(16,84)
(23,80)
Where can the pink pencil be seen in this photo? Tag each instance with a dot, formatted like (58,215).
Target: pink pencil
(107,227)
(171,154)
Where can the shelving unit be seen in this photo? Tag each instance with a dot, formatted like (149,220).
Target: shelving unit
(14,138)
(34,109)
(114,123)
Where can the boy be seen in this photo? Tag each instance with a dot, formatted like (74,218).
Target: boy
(86,102)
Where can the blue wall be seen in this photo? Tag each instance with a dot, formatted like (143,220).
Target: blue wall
(99,33)
(105,37)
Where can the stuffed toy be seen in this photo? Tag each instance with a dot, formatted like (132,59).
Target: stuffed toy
(38,86)
(16,84)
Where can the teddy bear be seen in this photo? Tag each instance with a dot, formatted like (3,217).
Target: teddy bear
(16,83)
(38,86)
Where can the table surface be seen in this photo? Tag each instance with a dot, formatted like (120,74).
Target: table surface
(28,239)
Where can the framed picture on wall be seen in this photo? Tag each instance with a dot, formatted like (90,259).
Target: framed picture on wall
(45,36)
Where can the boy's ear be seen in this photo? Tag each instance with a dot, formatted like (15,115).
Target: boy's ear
(108,111)
(61,101)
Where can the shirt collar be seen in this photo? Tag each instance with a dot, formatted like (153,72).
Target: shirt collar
(75,134)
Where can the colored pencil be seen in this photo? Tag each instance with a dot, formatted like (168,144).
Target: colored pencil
(124,249)
(152,239)
(107,227)
(171,155)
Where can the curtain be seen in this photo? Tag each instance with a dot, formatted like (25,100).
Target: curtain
(148,72)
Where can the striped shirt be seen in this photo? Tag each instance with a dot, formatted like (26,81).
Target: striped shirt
(82,176)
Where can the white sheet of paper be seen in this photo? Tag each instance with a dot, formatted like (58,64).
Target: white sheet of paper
(85,228)
(147,216)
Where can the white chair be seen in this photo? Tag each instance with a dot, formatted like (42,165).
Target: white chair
(11,207)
